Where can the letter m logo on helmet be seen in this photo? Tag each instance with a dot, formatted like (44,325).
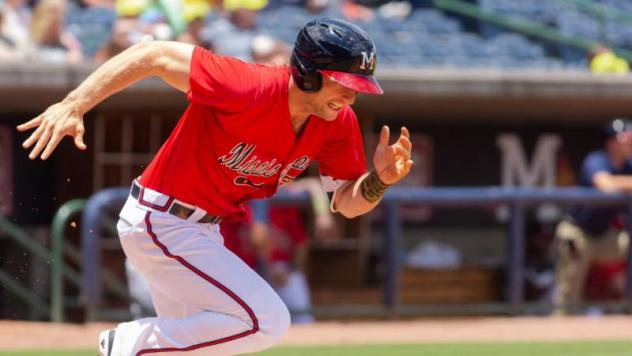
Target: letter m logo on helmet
(338,50)
(368,61)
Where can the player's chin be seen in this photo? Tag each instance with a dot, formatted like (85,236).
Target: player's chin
(328,114)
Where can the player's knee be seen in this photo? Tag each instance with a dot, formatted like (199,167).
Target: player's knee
(277,322)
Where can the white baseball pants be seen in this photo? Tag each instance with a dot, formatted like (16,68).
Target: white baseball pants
(208,301)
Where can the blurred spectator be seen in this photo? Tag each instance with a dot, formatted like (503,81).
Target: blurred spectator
(169,13)
(590,234)
(14,30)
(49,33)
(195,14)
(232,34)
(355,12)
(193,33)
(265,49)
(8,51)
(316,6)
(605,61)
(125,33)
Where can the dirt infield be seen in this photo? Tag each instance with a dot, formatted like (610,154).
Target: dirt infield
(29,335)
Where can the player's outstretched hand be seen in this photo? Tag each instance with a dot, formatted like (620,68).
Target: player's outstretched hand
(51,126)
(392,162)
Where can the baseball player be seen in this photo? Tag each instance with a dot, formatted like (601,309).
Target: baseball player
(247,130)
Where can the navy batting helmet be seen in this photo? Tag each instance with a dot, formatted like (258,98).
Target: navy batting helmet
(337,49)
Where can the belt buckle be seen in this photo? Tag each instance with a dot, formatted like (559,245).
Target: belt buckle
(179,211)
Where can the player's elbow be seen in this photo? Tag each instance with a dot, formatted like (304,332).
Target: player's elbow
(349,213)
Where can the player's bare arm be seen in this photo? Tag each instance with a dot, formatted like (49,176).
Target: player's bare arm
(168,60)
(391,163)
(608,182)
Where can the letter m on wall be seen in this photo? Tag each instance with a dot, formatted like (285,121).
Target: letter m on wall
(516,170)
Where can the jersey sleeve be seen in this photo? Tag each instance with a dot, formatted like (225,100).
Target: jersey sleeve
(593,164)
(342,156)
(224,83)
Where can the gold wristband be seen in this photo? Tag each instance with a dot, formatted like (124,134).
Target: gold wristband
(372,188)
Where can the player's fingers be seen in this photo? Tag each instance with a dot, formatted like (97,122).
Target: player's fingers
(30,124)
(34,136)
(384,135)
(405,132)
(404,153)
(52,143)
(405,142)
(407,166)
(41,143)
(79,131)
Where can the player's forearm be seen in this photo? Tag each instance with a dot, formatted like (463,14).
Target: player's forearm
(132,65)
(613,182)
(361,196)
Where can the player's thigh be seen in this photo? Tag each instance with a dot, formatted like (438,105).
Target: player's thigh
(191,265)
(167,307)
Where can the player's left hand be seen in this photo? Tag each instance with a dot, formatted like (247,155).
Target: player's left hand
(392,162)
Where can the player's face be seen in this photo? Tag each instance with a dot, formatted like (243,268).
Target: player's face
(331,98)
(621,146)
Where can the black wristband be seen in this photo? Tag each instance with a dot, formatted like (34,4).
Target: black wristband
(372,188)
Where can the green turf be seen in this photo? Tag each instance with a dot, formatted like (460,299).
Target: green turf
(482,349)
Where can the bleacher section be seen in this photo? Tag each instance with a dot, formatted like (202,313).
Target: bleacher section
(429,37)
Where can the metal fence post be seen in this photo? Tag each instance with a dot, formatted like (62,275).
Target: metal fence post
(91,286)
(515,255)
(57,256)
(391,254)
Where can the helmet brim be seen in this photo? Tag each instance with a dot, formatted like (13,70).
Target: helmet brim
(358,82)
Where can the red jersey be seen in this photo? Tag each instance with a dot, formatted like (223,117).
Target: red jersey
(236,142)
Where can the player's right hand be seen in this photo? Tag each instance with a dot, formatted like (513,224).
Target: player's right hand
(51,126)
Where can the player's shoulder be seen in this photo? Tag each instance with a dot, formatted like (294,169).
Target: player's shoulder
(597,156)
(596,161)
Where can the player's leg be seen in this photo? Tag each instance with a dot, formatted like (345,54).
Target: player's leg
(571,267)
(610,248)
(139,289)
(227,307)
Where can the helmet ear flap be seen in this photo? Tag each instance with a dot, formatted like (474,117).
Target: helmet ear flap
(307,80)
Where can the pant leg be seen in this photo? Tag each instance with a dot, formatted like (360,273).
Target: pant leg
(571,267)
(139,289)
(224,306)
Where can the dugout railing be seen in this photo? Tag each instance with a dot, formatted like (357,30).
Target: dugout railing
(518,200)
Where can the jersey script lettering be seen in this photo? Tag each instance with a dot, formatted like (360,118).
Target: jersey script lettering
(241,160)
